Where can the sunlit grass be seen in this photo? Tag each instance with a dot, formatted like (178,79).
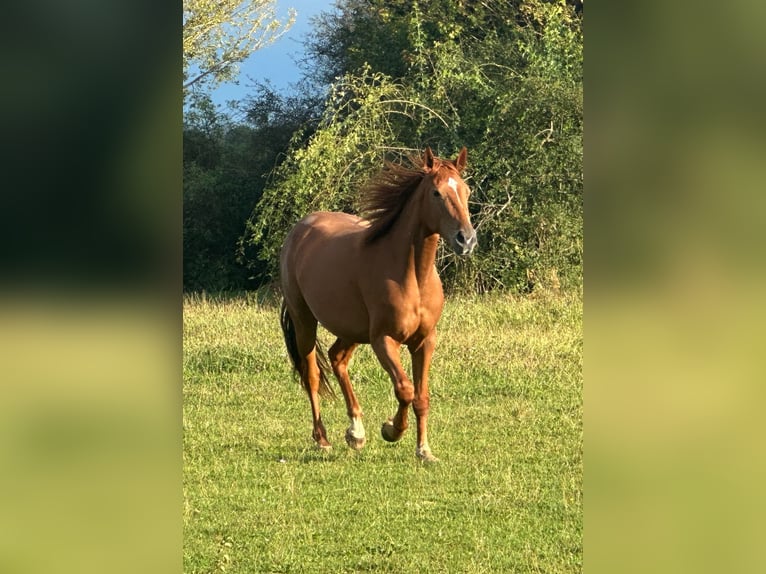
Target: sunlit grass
(506,422)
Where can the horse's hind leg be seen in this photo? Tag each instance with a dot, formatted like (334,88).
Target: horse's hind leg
(340,354)
(310,378)
(305,337)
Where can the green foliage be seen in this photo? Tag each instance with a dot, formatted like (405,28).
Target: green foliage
(224,167)
(507,496)
(504,79)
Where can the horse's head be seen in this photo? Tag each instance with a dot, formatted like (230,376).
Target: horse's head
(445,201)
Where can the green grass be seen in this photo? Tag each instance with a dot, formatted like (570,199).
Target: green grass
(506,422)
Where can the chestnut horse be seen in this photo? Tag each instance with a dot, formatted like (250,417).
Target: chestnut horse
(374,281)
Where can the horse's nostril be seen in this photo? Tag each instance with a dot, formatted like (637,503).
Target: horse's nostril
(460,238)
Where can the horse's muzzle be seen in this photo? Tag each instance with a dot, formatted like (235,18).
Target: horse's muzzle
(464,241)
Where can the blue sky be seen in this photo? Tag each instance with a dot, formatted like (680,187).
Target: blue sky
(277,62)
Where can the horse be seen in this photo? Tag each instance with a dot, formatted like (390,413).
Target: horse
(373,280)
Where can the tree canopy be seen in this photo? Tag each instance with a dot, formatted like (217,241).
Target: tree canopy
(219,34)
(385,78)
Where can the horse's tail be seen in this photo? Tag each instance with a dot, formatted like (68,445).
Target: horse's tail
(288,330)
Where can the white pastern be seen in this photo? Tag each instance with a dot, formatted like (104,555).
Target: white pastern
(357,429)
(423,452)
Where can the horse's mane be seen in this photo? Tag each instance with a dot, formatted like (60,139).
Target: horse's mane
(383,198)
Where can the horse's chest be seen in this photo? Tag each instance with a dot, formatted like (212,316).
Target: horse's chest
(414,320)
(405,310)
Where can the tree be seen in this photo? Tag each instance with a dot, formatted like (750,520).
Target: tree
(219,34)
(223,174)
(503,78)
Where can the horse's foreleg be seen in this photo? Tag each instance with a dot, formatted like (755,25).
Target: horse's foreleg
(340,354)
(421,362)
(387,351)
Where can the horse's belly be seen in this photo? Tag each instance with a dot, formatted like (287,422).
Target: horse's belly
(346,330)
(340,314)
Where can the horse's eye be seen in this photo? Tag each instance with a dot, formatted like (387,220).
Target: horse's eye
(436,193)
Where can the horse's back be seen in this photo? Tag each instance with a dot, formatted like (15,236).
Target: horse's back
(326,235)
(334,223)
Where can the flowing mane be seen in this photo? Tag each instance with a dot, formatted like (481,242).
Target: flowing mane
(386,194)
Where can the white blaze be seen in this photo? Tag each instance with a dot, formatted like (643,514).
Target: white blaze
(452,184)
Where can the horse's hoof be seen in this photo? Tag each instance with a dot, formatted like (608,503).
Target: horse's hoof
(389,432)
(357,443)
(425,455)
(324,446)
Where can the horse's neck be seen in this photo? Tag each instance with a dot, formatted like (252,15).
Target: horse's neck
(410,243)
(424,255)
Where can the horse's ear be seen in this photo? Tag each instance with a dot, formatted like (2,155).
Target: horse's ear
(462,159)
(428,160)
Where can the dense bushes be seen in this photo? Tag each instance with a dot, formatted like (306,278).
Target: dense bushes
(503,79)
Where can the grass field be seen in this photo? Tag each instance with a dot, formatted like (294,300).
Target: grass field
(506,422)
